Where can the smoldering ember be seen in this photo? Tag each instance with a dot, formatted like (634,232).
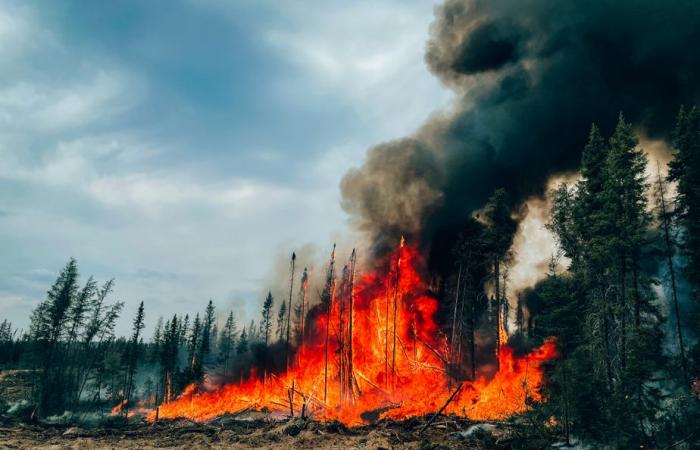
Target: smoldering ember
(521,270)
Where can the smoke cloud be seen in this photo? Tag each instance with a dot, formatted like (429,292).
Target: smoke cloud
(530,76)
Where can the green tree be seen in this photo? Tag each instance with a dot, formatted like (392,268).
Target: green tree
(685,171)
(498,237)
(266,323)
(168,358)
(194,344)
(227,341)
(207,328)
(281,321)
(48,326)
(132,356)
(242,346)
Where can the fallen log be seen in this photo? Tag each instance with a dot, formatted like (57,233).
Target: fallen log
(449,400)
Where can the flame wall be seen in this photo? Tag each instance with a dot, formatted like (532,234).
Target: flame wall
(398,371)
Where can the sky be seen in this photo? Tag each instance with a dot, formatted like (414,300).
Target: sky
(182,147)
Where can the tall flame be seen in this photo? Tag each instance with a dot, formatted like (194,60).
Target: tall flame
(397,366)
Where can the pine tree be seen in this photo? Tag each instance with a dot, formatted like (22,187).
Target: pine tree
(227,341)
(281,321)
(626,189)
(194,344)
(132,355)
(207,328)
(266,323)
(48,327)
(253,332)
(498,238)
(169,354)
(242,346)
(685,171)
(589,236)
(590,224)
(157,339)
(664,217)
(563,223)
(184,328)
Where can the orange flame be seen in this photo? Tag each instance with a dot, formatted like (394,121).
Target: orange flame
(410,380)
(117,409)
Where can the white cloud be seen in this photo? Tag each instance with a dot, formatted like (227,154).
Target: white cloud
(51,107)
(369,54)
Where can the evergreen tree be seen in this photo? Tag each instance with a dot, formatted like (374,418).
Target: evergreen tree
(227,341)
(497,239)
(586,236)
(156,340)
(169,354)
(132,355)
(207,325)
(281,321)
(48,326)
(184,328)
(617,400)
(685,171)
(266,323)
(242,346)
(253,332)
(194,344)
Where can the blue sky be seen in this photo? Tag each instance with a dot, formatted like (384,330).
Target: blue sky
(186,147)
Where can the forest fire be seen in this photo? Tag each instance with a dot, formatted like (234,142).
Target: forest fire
(375,350)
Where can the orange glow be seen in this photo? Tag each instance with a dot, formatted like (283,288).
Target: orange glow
(117,409)
(398,380)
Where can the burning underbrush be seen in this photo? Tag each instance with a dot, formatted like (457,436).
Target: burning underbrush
(373,350)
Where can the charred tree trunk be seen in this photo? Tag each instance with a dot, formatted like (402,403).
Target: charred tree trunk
(351,319)
(472,339)
(289,312)
(497,277)
(396,298)
(454,315)
(328,298)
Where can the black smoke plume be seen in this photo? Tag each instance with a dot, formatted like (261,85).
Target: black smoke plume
(530,77)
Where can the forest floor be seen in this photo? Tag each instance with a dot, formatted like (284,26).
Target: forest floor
(257,433)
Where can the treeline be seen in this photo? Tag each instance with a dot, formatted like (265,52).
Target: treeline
(625,310)
(77,363)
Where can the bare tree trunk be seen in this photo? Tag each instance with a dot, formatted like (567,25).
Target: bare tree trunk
(497,276)
(472,340)
(351,319)
(454,313)
(396,295)
(289,311)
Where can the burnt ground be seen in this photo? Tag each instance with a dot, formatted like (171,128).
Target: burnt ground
(259,433)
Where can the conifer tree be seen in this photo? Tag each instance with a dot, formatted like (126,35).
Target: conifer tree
(281,321)
(132,355)
(184,328)
(48,326)
(498,239)
(685,171)
(227,341)
(156,340)
(207,328)
(242,346)
(194,344)
(266,323)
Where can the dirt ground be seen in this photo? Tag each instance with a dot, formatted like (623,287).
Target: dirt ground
(256,434)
